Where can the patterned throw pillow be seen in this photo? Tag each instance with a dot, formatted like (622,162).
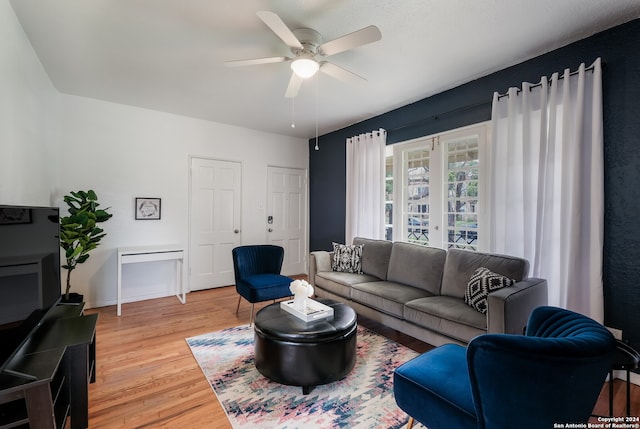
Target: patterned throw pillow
(346,259)
(481,284)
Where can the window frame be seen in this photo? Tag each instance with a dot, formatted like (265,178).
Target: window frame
(438,185)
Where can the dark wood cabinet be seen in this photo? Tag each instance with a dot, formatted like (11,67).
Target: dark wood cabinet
(47,381)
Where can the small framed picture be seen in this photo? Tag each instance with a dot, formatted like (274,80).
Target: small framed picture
(147,208)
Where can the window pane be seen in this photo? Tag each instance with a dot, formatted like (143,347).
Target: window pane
(417,196)
(388,206)
(462,193)
(389,179)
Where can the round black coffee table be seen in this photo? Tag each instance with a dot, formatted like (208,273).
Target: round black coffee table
(291,351)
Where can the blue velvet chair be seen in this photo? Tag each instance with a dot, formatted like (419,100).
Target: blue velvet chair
(552,374)
(257,274)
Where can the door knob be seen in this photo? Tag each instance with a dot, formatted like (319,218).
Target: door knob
(270,229)
(236,231)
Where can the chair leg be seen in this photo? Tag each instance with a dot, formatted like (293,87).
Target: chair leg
(611,393)
(410,423)
(251,317)
(238,306)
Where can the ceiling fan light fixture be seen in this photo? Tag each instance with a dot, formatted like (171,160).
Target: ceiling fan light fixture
(305,67)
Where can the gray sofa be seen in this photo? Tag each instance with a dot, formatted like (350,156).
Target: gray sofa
(420,290)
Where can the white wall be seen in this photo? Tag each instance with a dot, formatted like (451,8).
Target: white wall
(124,152)
(54,143)
(27,118)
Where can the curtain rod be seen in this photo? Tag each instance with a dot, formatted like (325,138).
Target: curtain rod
(378,133)
(506,94)
(438,116)
(470,107)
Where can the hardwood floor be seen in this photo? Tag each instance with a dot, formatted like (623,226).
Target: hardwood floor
(146,376)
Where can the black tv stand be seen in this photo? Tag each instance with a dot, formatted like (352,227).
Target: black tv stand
(47,381)
(20,374)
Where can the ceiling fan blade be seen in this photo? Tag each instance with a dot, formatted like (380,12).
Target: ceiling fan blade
(276,25)
(340,73)
(294,86)
(349,41)
(255,61)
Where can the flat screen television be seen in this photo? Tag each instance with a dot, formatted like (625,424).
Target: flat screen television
(29,272)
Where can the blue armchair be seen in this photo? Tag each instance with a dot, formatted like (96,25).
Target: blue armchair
(257,274)
(552,374)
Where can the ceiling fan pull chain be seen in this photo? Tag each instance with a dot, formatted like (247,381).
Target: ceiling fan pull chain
(316,147)
(293,112)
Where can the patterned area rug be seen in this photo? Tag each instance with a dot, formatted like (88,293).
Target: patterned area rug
(362,400)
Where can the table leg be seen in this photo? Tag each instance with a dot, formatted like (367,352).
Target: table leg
(180,293)
(79,384)
(40,406)
(119,292)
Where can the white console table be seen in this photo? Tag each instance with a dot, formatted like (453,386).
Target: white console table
(130,255)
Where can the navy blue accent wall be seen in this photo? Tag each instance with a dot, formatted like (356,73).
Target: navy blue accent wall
(471,103)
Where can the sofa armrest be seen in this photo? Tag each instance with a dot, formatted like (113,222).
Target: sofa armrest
(508,309)
(318,261)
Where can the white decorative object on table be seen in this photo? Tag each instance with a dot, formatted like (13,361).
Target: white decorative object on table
(313,311)
(301,290)
(302,306)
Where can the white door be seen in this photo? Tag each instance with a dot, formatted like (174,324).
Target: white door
(215,222)
(287,216)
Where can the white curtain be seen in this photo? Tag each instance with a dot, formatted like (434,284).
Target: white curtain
(365,186)
(546,184)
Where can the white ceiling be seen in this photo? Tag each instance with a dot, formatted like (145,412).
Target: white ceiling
(168,55)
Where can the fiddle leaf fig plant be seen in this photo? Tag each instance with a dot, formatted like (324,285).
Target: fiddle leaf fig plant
(79,232)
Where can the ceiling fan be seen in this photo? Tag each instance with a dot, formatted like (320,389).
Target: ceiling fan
(308,48)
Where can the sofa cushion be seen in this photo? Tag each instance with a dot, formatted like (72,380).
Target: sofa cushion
(346,259)
(385,296)
(375,256)
(461,264)
(417,266)
(340,283)
(481,284)
(446,315)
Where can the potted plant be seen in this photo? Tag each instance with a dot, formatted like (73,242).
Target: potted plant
(79,233)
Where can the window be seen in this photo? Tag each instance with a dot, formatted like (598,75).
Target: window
(438,189)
